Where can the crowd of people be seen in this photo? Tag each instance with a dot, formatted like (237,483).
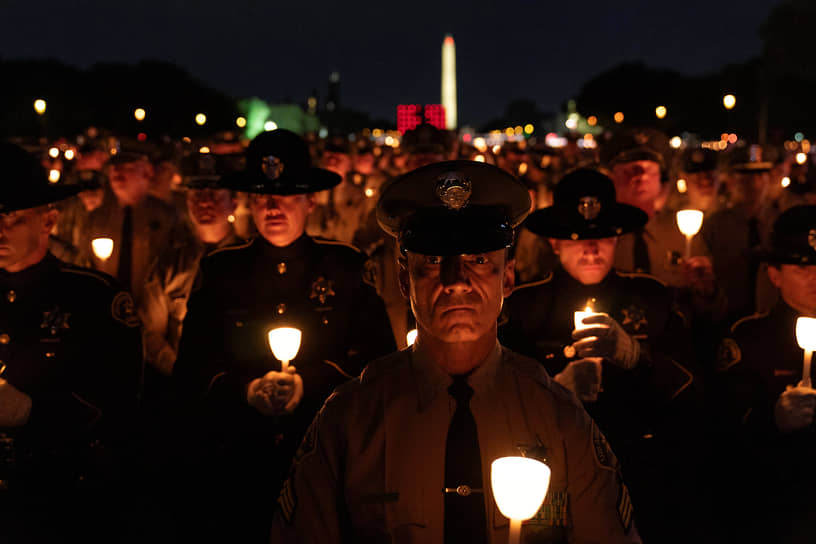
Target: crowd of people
(140,397)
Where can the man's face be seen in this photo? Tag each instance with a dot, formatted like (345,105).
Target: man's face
(209,206)
(364,163)
(339,163)
(797,285)
(458,298)
(22,236)
(588,261)
(281,219)
(702,189)
(417,160)
(167,176)
(130,181)
(749,187)
(637,183)
(92,198)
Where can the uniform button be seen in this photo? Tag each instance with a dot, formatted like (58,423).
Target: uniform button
(239,323)
(281,268)
(50,355)
(2,369)
(11,296)
(280,308)
(4,339)
(325,320)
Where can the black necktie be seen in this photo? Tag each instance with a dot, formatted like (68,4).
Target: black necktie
(126,249)
(641,253)
(465,519)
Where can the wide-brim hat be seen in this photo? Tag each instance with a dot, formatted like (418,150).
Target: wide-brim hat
(278,163)
(584,208)
(699,160)
(87,179)
(637,144)
(793,238)
(208,170)
(453,208)
(24,182)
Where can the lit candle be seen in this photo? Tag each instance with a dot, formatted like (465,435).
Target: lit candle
(285,343)
(519,487)
(806,338)
(580,315)
(102,248)
(411,337)
(689,223)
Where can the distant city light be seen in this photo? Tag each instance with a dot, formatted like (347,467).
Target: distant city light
(592,120)
(681,186)
(798,136)
(571,123)
(661,112)
(204,149)
(54,175)
(785,181)
(140,113)
(518,130)
(528,128)
(241,122)
(479,158)
(200,119)
(618,117)
(496,149)
(39,106)
(729,101)
(480,144)
(732,138)
(801,158)
(69,154)
(53,152)
(676,142)
(270,125)
(509,131)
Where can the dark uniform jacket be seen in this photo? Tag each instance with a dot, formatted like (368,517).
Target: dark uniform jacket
(314,285)
(372,466)
(648,413)
(69,339)
(772,470)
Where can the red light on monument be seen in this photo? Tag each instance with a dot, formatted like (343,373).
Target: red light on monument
(411,115)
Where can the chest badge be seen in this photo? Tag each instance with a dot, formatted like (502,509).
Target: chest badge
(634,319)
(322,289)
(56,320)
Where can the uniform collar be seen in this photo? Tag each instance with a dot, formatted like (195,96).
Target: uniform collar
(431,379)
(297,249)
(32,276)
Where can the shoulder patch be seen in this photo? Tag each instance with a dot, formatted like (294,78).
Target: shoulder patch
(122,309)
(603,452)
(625,509)
(728,354)
(546,279)
(370,272)
(287,500)
(746,319)
(554,511)
(326,241)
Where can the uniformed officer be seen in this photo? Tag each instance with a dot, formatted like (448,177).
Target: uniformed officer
(768,408)
(627,362)
(70,371)
(282,278)
(402,453)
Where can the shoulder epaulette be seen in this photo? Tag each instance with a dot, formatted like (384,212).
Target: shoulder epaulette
(546,279)
(747,318)
(230,248)
(641,275)
(102,277)
(328,242)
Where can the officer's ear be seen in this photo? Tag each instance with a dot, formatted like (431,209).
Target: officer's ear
(509,279)
(402,274)
(49,218)
(311,200)
(775,275)
(554,244)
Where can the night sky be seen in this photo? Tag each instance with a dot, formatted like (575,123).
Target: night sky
(389,52)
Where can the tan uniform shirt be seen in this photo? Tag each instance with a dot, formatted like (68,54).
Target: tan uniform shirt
(371,467)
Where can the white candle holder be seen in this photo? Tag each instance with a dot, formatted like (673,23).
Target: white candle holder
(102,248)
(519,487)
(285,344)
(410,338)
(689,223)
(806,338)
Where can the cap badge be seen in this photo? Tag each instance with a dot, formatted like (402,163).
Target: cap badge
(641,138)
(454,190)
(589,207)
(86,175)
(272,167)
(812,238)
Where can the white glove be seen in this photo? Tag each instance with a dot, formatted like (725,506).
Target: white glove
(607,340)
(582,377)
(15,406)
(795,408)
(276,393)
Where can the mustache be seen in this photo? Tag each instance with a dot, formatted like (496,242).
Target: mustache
(595,260)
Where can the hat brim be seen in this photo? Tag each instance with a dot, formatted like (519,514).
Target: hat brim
(47,195)
(469,231)
(564,224)
(310,180)
(779,257)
